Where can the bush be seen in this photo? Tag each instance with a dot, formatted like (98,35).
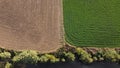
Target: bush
(99,55)
(69,56)
(95,58)
(27,57)
(2,65)
(84,56)
(101,59)
(8,65)
(111,55)
(63,60)
(5,55)
(48,58)
(79,51)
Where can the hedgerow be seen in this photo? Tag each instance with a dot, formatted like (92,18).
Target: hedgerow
(64,55)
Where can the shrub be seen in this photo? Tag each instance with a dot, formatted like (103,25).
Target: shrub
(69,56)
(79,51)
(5,55)
(99,55)
(44,59)
(29,56)
(111,55)
(8,65)
(2,65)
(48,58)
(89,60)
(84,56)
(63,60)
(101,59)
(95,58)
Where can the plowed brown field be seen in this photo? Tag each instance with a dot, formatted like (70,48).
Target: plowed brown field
(30,24)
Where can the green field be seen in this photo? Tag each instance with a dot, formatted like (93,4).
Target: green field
(93,23)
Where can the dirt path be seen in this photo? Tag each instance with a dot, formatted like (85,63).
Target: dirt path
(30,24)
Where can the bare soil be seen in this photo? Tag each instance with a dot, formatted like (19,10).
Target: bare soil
(30,24)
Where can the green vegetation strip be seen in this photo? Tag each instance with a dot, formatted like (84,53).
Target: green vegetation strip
(65,54)
(93,23)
